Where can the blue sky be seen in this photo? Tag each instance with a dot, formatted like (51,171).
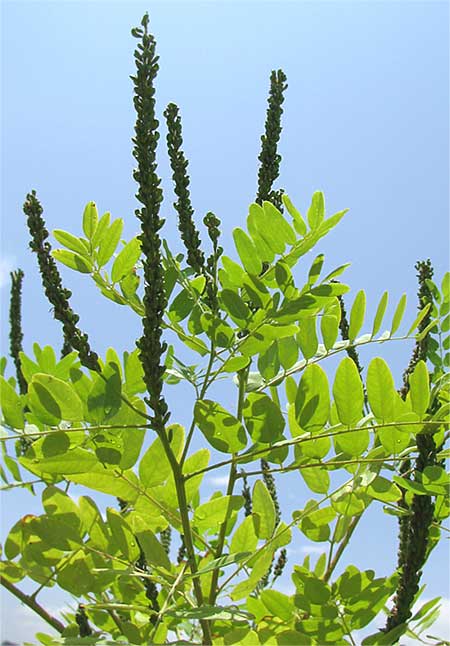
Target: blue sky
(366,121)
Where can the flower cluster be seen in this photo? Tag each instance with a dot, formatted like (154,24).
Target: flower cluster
(269,157)
(83,623)
(54,290)
(15,326)
(183,206)
(424,273)
(414,529)
(150,196)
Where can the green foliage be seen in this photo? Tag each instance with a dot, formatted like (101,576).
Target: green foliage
(268,326)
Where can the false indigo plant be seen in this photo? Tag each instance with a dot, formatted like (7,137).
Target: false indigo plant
(251,322)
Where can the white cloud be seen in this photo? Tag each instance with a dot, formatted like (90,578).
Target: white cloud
(218,481)
(311,549)
(7,264)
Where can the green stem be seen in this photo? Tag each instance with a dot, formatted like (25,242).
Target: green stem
(187,538)
(201,395)
(300,440)
(342,545)
(243,375)
(296,520)
(32,604)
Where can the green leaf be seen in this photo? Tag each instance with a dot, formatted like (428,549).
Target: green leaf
(234,271)
(270,235)
(398,315)
(278,604)
(316,211)
(330,289)
(196,462)
(384,490)
(285,280)
(263,511)
(354,443)
(419,318)
(134,374)
(154,552)
(244,538)
(265,245)
(154,467)
(57,502)
(260,567)
(122,535)
(90,219)
(223,431)
(217,330)
(234,364)
(307,337)
(393,440)
(222,561)
(235,306)
(312,404)
(101,229)
(269,362)
(419,384)
(329,327)
(109,242)
(126,260)
(278,222)
(73,260)
(381,390)
(315,269)
(288,351)
(314,589)
(106,480)
(12,408)
(348,392)
(181,306)
(299,223)
(104,399)
(263,418)
(247,252)
(220,613)
(58,398)
(316,478)
(385,639)
(357,315)
(75,461)
(210,515)
(348,502)
(381,310)
(92,522)
(75,574)
(70,241)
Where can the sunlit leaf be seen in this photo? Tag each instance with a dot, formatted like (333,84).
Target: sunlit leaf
(379,315)
(263,511)
(90,219)
(357,315)
(348,392)
(223,431)
(263,418)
